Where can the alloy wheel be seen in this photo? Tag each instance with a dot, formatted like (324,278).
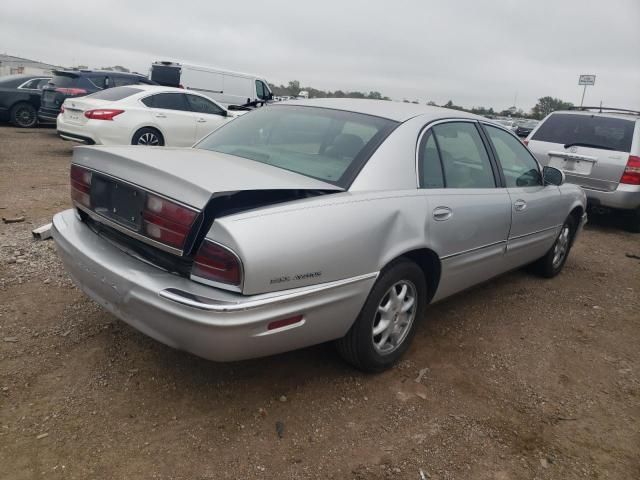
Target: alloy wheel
(148,138)
(561,247)
(394,317)
(25,117)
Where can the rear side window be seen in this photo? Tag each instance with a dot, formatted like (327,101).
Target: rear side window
(464,158)
(99,81)
(167,101)
(122,81)
(587,130)
(114,94)
(429,166)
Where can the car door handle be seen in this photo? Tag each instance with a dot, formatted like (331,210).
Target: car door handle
(202,120)
(519,205)
(160,115)
(442,213)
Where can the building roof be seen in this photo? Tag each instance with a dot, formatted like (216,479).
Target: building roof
(10,59)
(398,111)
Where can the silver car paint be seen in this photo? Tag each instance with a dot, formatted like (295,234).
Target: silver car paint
(189,175)
(307,244)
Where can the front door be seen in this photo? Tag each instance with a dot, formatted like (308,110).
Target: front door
(209,115)
(468,214)
(172,114)
(536,209)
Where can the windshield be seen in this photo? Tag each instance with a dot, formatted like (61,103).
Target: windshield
(330,145)
(596,131)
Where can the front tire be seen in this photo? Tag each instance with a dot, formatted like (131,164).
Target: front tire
(24,115)
(552,263)
(386,325)
(148,136)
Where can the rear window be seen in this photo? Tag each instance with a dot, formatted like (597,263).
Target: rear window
(329,145)
(114,94)
(64,81)
(587,130)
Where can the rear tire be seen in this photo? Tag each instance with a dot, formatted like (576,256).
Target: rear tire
(24,115)
(552,263)
(148,136)
(386,325)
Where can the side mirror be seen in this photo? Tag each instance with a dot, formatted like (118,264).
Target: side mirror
(552,176)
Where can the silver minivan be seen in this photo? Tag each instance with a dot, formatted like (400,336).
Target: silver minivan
(599,149)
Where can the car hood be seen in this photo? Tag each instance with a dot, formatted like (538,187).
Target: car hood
(191,175)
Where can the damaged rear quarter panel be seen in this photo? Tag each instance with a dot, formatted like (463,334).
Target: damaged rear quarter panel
(323,239)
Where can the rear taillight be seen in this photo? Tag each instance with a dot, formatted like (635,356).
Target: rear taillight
(61,108)
(102,113)
(71,91)
(631,173)
(217,264)
(525,141)
(81,185)
(167,222)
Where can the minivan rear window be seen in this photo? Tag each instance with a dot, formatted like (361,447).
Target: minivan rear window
(588,130)
(64,81)
(114,94)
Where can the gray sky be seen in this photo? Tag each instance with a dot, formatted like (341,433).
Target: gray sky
(473,52)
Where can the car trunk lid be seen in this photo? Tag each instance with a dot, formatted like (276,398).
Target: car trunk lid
(199,184)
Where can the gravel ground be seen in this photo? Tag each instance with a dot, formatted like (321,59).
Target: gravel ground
(519,378)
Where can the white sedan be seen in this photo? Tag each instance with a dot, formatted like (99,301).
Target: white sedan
(140,115)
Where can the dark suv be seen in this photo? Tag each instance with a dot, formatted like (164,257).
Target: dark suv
(78,83)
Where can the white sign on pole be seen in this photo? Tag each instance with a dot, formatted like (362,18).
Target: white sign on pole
(587,80)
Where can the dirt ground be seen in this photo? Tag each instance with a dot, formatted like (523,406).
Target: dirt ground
(520,378)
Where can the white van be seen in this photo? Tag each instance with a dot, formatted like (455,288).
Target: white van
(223,86)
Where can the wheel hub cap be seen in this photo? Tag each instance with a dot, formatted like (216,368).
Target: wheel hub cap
(394,317)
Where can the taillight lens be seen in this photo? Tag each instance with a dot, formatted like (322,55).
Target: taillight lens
(218,264)
(61,108)
(167,222)
(81,185)
(102,113)
(631,173)
(525,141)
(72,91)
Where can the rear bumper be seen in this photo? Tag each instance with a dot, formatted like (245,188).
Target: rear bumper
(208,322)
(75,137)
(624,197)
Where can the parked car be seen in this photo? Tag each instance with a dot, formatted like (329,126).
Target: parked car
(78,83)
(223,86)
(305,222)
(598,149)
(140,115)
(524,128)
(20,99)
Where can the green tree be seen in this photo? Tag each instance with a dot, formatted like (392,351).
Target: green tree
(294,88)
(546,105)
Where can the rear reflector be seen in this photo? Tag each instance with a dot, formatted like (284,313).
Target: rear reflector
(284,322)
(631,175)
(217,264)
(102,113)
(167,222)
(81,185)
(72,91)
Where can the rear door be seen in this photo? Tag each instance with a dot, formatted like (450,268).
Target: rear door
(209,116)
(591,149)
(536,210)
(172,114)
(468,213)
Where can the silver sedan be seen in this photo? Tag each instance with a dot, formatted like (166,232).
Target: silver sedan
(302,223)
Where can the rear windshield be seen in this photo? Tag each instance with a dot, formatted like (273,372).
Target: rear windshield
(116,93)
(330,145)
(587,130)
(64,81)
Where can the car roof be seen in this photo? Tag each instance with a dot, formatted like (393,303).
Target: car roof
(159,88)
(392,110)
(604,113)
(94,72)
